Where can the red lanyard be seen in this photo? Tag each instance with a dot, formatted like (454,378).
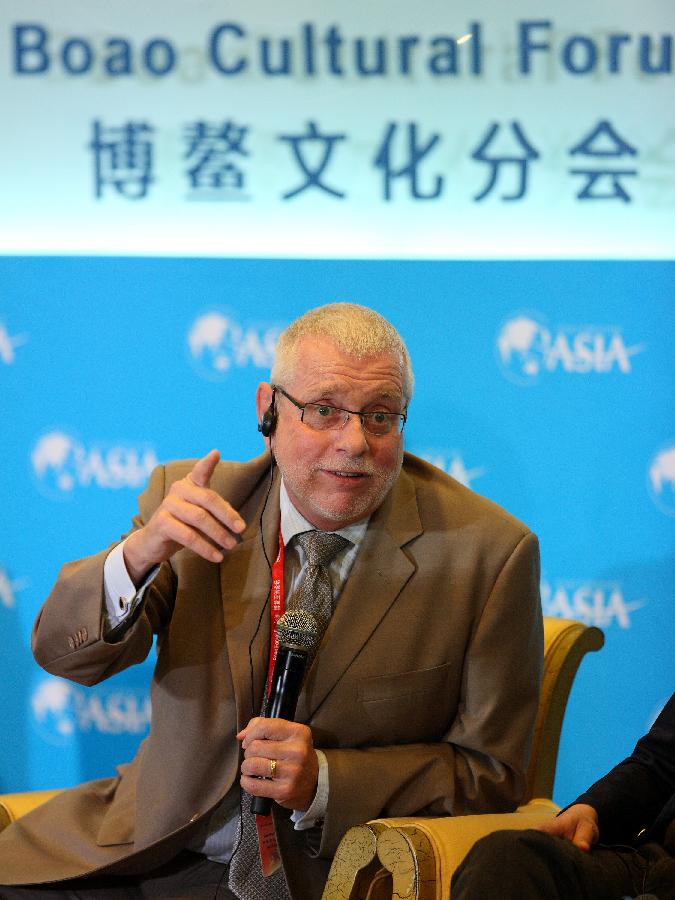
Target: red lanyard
(270,858)
(276,606)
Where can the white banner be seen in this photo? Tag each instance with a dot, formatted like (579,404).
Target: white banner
(432,130)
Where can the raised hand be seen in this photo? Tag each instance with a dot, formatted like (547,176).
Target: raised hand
(191,515)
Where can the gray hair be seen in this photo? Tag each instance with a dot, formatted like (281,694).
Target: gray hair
(354,329)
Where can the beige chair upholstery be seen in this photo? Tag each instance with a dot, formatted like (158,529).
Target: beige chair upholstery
(414,858)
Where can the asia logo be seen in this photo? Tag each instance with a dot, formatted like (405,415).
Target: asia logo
(8,344)
(528,348)
(62,710)
(662,480)
(453,464)
(9,588)
(218,343)
(600,603)
(61,463)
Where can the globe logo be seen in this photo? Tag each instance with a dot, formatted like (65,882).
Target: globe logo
(54,460)
(210,341)
(8,344)
(218,343)
(61,464)
(62,711)
(9,588)
(527,348)
(661,478)
(522,344)
(53,711)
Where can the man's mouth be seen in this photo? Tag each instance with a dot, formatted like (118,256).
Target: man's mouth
(338,473)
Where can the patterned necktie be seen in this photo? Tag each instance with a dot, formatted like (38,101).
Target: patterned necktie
(245,878)
(314,594)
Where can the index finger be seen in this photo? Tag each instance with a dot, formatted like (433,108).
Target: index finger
(203,469)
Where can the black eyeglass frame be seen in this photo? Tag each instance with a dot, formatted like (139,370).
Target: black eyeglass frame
(402,417)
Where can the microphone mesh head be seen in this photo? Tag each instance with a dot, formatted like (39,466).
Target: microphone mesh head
(298,628)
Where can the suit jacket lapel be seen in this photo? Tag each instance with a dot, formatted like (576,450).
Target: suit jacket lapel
(380,572)
(245,586)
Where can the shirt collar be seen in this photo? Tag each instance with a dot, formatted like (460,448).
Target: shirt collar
(293,522)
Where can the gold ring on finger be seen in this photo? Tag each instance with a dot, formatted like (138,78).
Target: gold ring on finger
(273,768)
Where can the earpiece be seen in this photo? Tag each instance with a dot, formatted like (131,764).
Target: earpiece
(268,422)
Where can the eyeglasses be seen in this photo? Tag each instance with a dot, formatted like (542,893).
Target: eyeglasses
(322,417)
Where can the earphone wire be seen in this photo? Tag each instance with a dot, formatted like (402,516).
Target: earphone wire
(269,566)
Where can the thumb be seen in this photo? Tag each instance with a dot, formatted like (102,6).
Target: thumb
(585,835)
(203,469)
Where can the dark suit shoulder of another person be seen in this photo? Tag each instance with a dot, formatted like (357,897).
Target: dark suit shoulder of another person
(639,793)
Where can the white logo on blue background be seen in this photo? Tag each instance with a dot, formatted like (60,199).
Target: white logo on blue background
(9,588)
(452,462)
(662,479)
(600,603)
(61,711)
(218,343)
(62,463)
(528,348)
(8,344)
(53,710)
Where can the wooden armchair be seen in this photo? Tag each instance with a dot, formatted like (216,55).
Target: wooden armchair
(414,858)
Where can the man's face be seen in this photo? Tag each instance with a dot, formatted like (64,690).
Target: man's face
(339,476)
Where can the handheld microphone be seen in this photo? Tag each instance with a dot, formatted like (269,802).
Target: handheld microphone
(298,634)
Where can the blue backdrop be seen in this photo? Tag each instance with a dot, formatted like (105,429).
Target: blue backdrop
(545,386)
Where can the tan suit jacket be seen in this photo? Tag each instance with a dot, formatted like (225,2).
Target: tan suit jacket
(423,694)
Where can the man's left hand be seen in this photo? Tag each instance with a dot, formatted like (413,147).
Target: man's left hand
(577,823)
(297,768)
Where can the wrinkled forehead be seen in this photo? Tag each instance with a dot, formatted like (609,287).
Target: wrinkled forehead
(320,364)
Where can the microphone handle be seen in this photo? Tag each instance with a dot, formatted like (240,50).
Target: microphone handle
(289,671)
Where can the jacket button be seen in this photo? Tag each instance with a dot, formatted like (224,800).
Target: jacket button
(193,818)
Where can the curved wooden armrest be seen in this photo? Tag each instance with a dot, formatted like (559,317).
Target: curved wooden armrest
(422,854)
(12,806)
(566,642)
(356,871)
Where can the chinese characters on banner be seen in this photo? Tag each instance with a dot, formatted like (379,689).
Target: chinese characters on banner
(217,162)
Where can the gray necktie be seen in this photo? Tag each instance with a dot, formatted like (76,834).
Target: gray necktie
(314,591)
(245,878)
(314,594)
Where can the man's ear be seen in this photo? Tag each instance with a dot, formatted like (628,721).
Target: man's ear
(263,398)
(267,416)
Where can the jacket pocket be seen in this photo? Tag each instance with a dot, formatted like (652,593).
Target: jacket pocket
(416,704)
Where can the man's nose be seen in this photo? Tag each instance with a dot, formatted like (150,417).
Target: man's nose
(352,437)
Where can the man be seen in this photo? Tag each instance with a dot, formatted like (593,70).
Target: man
(616,840)
(423,692)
